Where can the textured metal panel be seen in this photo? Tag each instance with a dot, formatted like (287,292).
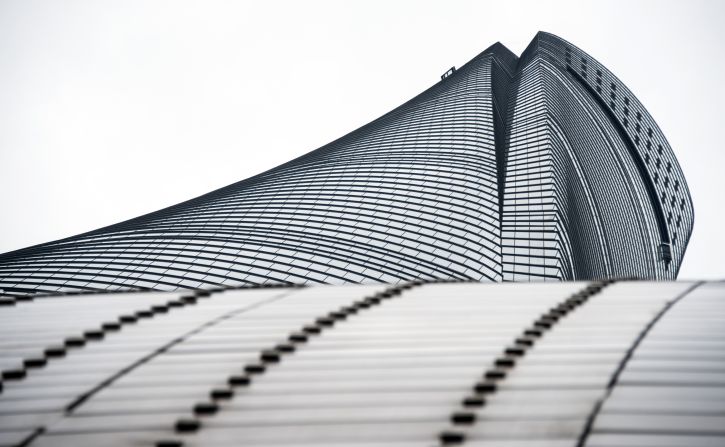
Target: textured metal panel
(512,365)
(672,390)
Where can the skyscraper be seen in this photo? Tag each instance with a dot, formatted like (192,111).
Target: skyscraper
(539,167)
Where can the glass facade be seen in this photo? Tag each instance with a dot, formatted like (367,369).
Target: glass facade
(543,167)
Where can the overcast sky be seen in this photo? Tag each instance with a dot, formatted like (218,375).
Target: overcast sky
(112,109)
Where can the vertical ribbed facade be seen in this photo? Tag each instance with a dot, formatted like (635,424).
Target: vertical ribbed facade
(593,189)
(543,167)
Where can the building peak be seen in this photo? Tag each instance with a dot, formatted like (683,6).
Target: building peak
(539,167)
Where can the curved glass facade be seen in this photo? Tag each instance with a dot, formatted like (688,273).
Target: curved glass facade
(533,168)
(593,189)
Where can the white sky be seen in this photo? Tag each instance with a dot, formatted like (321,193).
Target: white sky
(112,109)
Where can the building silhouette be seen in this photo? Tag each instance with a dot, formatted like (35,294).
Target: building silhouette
(538,167)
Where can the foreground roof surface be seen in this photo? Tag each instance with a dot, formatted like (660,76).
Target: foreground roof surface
(530,168)
(415,364)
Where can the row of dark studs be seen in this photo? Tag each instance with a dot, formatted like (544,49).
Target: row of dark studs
(94,335)
(7,301)
(268,357)
(12,300)
(60,351)
(503,364)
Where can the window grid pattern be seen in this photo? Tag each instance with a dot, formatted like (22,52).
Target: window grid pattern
(532,236)
(657,164)
(543,167)
(413,194)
